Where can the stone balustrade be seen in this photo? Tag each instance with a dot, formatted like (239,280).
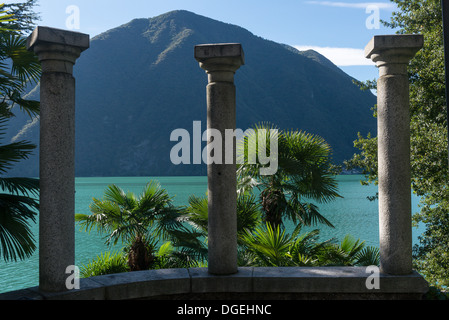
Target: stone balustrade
(248,283)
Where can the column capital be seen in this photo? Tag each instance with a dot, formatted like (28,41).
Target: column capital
(394,51)
(220,60)
(57,49)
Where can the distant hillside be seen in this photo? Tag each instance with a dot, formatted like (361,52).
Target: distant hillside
(140,81)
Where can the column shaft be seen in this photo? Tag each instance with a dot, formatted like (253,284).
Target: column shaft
(57,51)
(392,55)
(222,184)
(395,225)
(57,180)
(220,62)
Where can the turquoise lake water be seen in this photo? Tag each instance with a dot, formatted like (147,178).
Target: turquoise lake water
(353,214)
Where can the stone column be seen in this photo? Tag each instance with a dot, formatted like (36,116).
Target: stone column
(392,54)
(220,61)
(57,51)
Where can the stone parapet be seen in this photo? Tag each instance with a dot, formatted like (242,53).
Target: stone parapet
(333,283)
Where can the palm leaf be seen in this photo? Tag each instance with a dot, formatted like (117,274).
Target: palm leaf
(254,148)
(24,186)
(305,213)
(197,213)
(25,65)
(16,239)
(269,245)
(249,213)
(368,256)
(30,107)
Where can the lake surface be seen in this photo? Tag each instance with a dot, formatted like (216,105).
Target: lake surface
(353,214)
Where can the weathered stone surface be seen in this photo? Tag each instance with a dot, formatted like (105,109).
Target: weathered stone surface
(57,51)
(333,283)
(204,282)
(55,36)
(138,284)
(220,62)
(203,52)
(392,55)
(411,43)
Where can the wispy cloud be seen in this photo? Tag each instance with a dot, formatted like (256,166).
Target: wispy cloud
(361,5)
(341,57)
(25,129)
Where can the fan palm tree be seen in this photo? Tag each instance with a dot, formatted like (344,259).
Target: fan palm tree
(18,197)
(303,174)
(138,221)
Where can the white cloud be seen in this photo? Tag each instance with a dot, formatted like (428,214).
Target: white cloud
(341,57)
(25,129)
(361,5)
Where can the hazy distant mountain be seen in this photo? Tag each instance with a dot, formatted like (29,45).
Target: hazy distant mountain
(140,81)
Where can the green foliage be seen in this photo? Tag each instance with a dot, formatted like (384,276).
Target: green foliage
(349,252)
(435,293)
(140,222)
(303,174)
(125,216)
(428,128)
(270,247)
(259,244)
(166,256)
(18,200)
(19,17)
(105,263)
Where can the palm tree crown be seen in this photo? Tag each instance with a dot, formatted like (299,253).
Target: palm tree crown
(303,174)
(138,221)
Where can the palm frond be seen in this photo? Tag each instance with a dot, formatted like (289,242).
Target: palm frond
(368,256)
(30,107)
(23,186)
(105,263)
(249,213)
(257,149)
(269,245)
(197,213)
(13,153)
(25,64)
(16,238)
(345,253)
(115,194)
(305,213)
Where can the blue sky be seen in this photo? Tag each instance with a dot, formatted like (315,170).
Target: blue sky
(338,29)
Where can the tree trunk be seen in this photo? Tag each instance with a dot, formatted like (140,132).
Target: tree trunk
(140,256)
(273,201)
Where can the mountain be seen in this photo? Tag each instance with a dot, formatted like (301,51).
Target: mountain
(139,82)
